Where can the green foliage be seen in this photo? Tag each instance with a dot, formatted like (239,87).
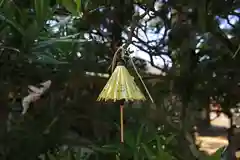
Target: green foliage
(72,41)
(141,144)
(215,156)
(71,6)
(68,154)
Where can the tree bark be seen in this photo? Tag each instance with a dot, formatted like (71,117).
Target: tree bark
(231,146)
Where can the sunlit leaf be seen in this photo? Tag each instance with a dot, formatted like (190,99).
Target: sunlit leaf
(79,5)
(216,155)
(1,2)
(42,9)
(71,6)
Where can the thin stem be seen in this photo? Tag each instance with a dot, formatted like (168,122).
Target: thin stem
(121,122)
(139,76)
(235,54)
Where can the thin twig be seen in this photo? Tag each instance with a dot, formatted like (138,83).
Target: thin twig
(139,76)
(123,47)
(235,54)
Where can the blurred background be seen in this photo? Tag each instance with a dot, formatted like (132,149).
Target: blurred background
(186,51)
